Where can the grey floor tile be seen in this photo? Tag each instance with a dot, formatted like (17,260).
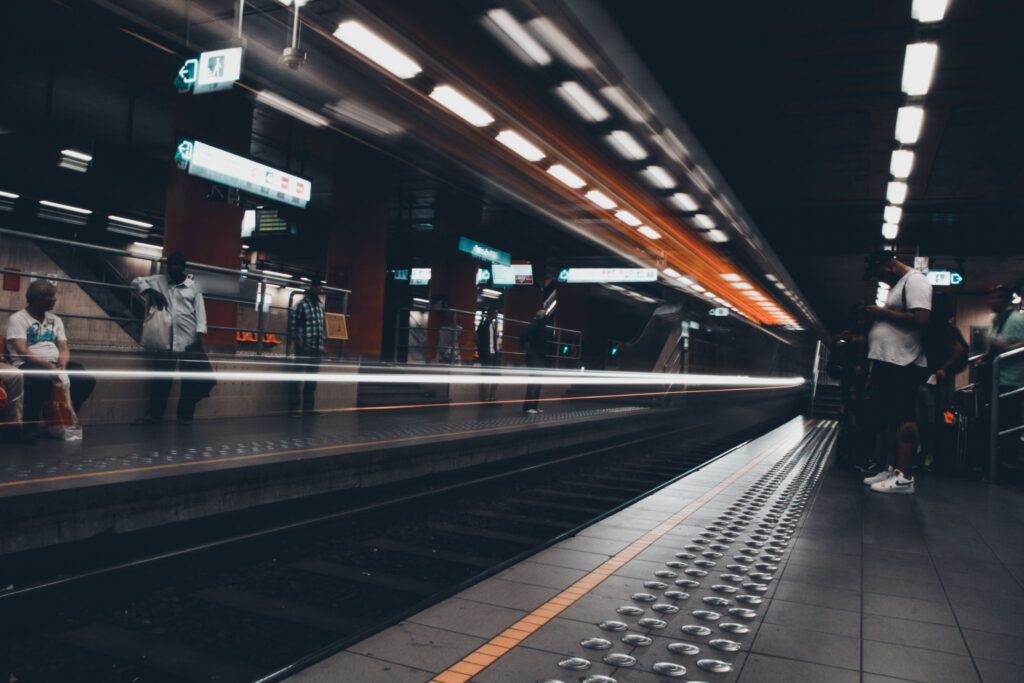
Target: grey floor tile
(999,672)
(990,620)
(824,619)
(469,617)
(908,608)
(356,667)
(914,633)
(592,609)
(418,646)
(537,574)
(813,594)
(846,578)
(563,636)
(995,646)
(591,544)
(764,669)
(527,664)
(916,664)
(808,646)
(928,590)
(512,594)
(571,559)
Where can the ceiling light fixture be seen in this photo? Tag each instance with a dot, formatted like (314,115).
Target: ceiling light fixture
(520,145)
(553,37)
(918,67)
(704,221)
(628,218)
(908,124)
(684,201)
(65,207)
(893,214)
(286,106)
(659,177)
(376,49)
(896,192)
(585,104)
(601,199)
(626,145)
(566,176)
(516,37)
(130,221)
(460,105)
(890,230)
(649,232)
(901,164)
(929,11)
(624,103)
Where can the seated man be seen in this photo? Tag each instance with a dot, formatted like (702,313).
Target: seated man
(36,341)
(11,394)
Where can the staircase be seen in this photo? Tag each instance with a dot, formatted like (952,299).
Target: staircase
(826,402)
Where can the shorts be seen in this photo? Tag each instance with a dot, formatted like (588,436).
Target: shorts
(894,392)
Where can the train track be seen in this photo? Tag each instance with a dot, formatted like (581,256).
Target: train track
(257,601)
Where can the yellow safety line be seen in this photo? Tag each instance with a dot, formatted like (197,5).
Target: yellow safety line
(514,635)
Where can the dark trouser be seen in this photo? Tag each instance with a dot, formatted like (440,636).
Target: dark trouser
(39,389)
(532,390)
(309,365)
(192,359)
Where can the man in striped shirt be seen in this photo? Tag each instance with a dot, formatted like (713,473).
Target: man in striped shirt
(307,335)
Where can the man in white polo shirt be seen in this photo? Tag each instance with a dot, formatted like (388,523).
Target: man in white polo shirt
(898,366)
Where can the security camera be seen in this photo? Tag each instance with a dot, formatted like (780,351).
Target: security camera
(293,57)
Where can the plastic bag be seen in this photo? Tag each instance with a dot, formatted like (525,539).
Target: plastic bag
(156,330)
(60,417)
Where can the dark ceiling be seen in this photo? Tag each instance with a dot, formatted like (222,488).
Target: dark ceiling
(796,104)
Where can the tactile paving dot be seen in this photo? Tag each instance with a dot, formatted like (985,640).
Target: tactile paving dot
(695,630)
(651,622)
(629,611)
(714,665)
(611,625)
(669,669)
(683,648)
(575,663)
(620,659)
(637,639)
(598,678)
(596,643)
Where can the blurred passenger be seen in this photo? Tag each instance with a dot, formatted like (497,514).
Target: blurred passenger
(307,333)
(489,350)
(1006,334)
(36,341)
(12,394)
(534,341)
(848,363)
(898,367)
(946,351)
(175,291)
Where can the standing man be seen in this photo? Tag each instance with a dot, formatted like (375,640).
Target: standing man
(1006,334)
(36,341)
(489,351)
(898,366)
(307,334)
(534,341)
(175,290)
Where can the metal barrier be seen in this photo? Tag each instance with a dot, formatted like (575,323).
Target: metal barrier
(994,433)
(263,280)
(564,345)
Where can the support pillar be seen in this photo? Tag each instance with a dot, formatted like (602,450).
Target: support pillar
(453,273)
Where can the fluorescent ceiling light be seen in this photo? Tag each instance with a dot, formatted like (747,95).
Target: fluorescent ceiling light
(520,145)
(274,273)
(918,67)
(896,192)
(771,278)
(742,285)
(901,164)
(76,155)
(490,293)
(718,236)
(9,195)
(144,245)
(517,37)
(686,281)
(601,199)
(364,116)
(672,273)
(684,201)
(624,103)
(626,145)
(130,221)
(577,97)
(628,218)
(731,277)
(893,214)
(928,11)
(460,105)
(65,207)
(890,230)
(649,232)
(557,41)
(566,176)
(908,124)
(704,221)
(286,106)
(376,49)
(660,177)
(781,286)
(697,288)
(298,3)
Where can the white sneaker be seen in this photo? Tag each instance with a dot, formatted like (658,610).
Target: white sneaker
(881,476)
(532,411)
(897,483)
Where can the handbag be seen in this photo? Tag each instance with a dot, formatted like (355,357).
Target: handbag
(156,330)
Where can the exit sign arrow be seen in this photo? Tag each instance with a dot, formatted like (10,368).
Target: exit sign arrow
(186,77)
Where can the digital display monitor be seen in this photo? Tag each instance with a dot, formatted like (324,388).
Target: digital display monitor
(206,161)
(583,275)
(515,274)
(419,276)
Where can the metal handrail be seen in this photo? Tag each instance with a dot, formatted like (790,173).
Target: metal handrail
(262,278)
(993,430)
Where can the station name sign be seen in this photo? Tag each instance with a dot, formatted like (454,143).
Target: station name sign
(484,252)
(944,278)
(584,275)
(210,71)
(205,161)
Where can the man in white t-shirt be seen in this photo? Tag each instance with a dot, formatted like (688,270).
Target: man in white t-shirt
(898,366)
(36,341)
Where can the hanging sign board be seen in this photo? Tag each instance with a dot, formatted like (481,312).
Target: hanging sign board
(484,252)
(337,325)
(206,161)
(719,312)
(419,276)
(210,71)
(515,274)
(580,275)
(944,278)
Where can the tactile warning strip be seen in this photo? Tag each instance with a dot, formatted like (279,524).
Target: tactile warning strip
(780,521)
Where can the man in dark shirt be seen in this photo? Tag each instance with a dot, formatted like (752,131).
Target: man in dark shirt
(307,335)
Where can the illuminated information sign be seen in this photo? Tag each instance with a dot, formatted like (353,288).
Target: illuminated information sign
(515,274)
(944,278)
(210,71)
(419,276)
(581,275)
(484,252)
(205,161)
(719,312)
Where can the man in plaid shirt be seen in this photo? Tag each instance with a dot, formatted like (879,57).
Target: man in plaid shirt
(307,335)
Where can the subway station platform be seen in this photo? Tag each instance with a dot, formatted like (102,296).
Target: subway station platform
(765,565)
